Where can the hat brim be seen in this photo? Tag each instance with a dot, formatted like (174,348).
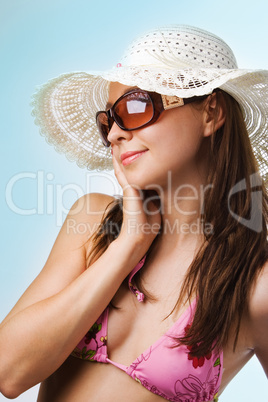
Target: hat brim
(66,106)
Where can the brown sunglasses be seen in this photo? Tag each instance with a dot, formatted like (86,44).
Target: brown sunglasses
(137,109)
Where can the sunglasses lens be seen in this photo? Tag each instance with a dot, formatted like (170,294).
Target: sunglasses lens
(133,110)
(103,126)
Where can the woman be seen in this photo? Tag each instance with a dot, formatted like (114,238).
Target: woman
(169,286)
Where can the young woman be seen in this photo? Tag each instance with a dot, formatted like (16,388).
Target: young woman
(165,297)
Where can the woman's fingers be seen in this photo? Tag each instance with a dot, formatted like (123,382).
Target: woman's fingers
(141,215)
(119,174)
(132,195)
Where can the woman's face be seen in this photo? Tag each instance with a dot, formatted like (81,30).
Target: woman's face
(175,143)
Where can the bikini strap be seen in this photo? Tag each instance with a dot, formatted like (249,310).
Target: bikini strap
(132,287)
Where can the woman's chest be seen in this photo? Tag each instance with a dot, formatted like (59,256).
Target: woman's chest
(134,327)
(140,341)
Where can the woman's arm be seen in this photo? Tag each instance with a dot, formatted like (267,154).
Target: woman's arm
(258,322)
(64,300)
(67,258)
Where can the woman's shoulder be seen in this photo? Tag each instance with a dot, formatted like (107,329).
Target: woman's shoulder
(90,207)
(258,302)
(92,202)
(258,317)
(82,221)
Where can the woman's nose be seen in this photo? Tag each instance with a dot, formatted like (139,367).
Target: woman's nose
(117,135)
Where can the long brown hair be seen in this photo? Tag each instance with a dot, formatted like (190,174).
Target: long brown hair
(227,265)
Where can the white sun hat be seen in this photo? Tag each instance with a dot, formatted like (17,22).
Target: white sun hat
(173,60)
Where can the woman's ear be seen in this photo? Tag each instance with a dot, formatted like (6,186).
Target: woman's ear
(214,113)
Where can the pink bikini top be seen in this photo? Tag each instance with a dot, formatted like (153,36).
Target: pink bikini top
(163,369)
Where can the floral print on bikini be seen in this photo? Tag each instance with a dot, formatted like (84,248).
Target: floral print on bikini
(172,373)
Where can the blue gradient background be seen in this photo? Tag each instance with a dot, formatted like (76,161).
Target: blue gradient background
(40,39)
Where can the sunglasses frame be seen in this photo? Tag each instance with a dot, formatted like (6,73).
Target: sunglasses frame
(159,104)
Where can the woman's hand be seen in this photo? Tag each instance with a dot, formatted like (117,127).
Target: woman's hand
(141,214)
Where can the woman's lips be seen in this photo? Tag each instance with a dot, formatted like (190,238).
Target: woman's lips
(128,157)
